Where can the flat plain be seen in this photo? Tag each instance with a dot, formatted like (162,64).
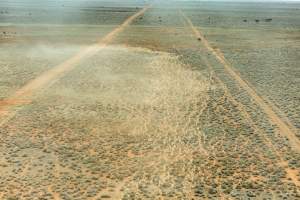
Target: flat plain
(149,100)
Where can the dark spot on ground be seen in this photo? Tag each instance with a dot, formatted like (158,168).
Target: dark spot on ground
(268,19)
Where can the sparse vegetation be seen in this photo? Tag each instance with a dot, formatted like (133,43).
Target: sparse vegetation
(153,114)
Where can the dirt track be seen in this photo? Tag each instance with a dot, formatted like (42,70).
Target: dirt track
(58,71)
(292,173)
(285,130)
(145,111)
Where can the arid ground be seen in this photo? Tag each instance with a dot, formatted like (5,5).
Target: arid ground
(149,100)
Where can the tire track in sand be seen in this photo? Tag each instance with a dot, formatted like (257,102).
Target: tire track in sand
(284,129)
(291,173)
(24,93)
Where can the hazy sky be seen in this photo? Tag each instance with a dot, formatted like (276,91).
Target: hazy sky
(247,0)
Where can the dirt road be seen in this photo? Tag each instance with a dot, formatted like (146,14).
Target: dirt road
(147,111)
(58,71)
(285,130)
